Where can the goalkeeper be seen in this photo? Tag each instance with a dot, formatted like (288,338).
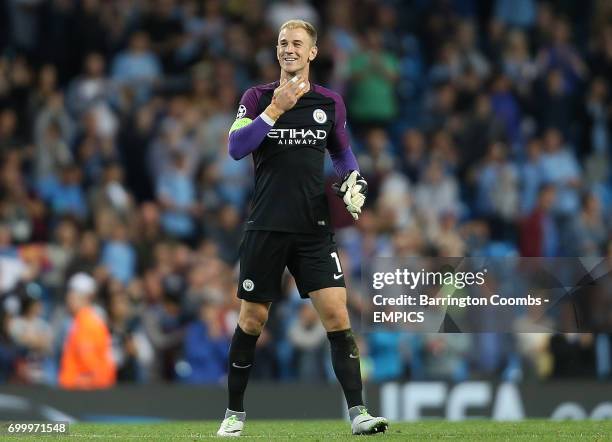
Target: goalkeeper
(287,126)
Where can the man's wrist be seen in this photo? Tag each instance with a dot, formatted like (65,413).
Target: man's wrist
(273,112)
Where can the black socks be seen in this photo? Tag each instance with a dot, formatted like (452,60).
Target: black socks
(241,356)
(345,360)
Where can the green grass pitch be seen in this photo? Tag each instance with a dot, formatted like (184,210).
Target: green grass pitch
(473,430)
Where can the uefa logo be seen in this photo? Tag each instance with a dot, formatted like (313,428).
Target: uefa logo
(248,285)
(241,111)
(319,116)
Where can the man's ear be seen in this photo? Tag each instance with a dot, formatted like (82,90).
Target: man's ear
(313,53)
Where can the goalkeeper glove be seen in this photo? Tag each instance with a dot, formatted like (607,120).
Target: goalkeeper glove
(352,190)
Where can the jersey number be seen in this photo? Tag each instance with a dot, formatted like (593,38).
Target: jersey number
(335,256)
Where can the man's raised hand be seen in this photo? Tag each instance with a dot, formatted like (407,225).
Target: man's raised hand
(286,95)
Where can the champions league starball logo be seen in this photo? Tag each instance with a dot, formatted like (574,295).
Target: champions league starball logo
(241,112)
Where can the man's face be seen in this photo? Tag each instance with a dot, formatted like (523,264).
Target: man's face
(75,301)
(295,49)
(547,198)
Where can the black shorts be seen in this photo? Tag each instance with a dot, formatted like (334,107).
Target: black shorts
(312,260)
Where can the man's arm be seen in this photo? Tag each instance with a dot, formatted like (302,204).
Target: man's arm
(340,151)
(246,135)
(353,188)
(249,129)
(344,161)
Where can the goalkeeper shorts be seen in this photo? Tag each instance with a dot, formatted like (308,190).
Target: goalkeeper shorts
(312,260)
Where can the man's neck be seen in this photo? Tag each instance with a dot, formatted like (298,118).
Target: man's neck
(302,74)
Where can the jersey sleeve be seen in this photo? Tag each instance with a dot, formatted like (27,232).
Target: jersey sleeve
(248,105)
(249,128)
(339,148)
(339,139)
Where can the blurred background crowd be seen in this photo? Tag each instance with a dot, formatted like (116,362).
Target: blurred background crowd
(483,128)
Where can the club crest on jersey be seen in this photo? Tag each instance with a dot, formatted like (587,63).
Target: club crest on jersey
(241,112)
(319,116)
(248,285)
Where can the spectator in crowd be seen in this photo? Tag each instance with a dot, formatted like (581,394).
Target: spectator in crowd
(176,195)
(377,160)
(8,350)
(52,154)
(470,57)
(137,66)
(22,212)
(561,54)
(61,252)
(206,346)
(560,168)
(530,176)
(481,128)
(435,194)
(448,240)
(92,89)
(506,108)
(395,201)
(587,232)
(118,255)
(95,146)
(517,63)
(33,334)
(46,86)
(447,65)
(164,325)
(148,235)
(87,361)
(131,350)
(308,338)
(178,135)
(556,104)
(373,73)
(133,142)
(111,193)
(86,259)
(12,267)
(165,30)
(497,194)
(539,235)
(225,232)
(67,198)
(597,120)
(414,154)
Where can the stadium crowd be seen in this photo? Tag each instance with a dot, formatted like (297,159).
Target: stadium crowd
(484,128)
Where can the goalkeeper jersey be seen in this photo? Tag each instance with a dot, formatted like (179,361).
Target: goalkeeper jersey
(289,194)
